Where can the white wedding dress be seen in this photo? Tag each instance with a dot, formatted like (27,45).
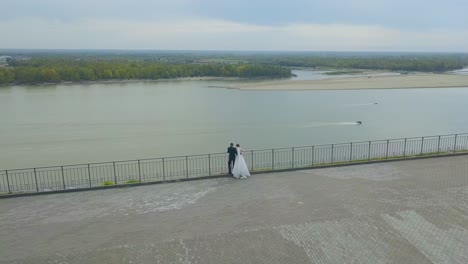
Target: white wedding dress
(240,169)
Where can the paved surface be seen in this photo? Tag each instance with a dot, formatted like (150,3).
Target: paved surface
(398,212)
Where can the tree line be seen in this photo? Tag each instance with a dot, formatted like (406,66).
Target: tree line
(42,70)
(422,63)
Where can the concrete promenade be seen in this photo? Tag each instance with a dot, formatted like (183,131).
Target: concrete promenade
(413,211)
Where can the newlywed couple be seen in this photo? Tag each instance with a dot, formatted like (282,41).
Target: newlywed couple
(236,164)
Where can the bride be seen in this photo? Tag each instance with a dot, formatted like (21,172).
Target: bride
(240,169)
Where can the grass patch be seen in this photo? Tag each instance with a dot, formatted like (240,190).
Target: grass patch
(108,183)
(132,182)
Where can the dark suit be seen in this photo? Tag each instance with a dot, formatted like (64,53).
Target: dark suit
(232,158)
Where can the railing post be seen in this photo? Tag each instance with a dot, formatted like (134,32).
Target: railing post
(89,176)
(351,153)
(455,144)
(186,166)
(386,151)
(368,155)
(63,177)
(35,179)
(8,181)
(164,170)
(331,158)
(438,145)
(272,159)
(422,145)
(252,159)
(209,164)
(115,174)
(404,149)
(139,171)
(313,153)
(292,158)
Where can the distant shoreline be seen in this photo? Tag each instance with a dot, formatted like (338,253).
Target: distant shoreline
(117,81)
(412,81)
(114,81)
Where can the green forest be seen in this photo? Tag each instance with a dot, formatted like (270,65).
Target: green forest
(39,70)
(421,64)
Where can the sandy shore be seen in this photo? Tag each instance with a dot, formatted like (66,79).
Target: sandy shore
(358,83)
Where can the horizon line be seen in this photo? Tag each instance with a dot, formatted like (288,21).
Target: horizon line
(227,50)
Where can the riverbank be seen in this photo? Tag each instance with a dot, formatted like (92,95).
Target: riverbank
(181,79)
(117,81)
(363,82)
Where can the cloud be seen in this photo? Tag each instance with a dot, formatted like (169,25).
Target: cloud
(217,34)
(402,14)
(70,10)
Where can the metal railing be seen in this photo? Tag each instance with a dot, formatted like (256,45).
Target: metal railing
(68,177)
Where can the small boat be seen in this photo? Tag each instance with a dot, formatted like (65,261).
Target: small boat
(358,122)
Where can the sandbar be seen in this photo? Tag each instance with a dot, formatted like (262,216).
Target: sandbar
(362,82)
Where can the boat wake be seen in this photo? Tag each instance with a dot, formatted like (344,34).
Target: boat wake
(364,104)
(323,124)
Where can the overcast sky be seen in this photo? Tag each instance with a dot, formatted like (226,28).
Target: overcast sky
(315,25)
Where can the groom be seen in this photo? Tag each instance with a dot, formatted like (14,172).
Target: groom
(232,157)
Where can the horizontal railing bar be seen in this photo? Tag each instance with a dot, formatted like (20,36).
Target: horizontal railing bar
(378,140)
(288,148)
(183,156)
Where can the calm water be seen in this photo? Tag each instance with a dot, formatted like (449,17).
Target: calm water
(67,124)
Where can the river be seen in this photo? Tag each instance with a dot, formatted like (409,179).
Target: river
(46,125)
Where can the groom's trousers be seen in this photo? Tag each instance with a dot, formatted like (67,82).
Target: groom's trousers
(231,164)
